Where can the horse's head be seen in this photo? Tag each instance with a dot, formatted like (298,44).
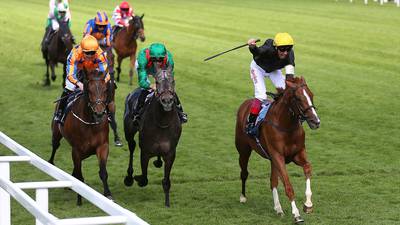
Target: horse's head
(165,88)
(138,27)
(65,34)
(301,101)
(96,92)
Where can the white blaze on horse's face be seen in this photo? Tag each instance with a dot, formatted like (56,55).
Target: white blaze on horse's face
(311,105)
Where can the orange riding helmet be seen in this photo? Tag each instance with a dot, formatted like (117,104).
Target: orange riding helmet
(89,44)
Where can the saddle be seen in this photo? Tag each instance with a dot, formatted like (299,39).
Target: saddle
(265,106)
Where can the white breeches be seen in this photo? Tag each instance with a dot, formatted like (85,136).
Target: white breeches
(257,75)
(70,86)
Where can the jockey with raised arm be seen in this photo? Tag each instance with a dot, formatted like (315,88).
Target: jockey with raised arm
(59,11)
(268,60)
(86,55)
(148,59)
(100,28)
(122,14)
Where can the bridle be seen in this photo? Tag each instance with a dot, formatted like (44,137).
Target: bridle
(296,108)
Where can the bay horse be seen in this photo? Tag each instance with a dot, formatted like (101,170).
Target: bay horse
(57,51)
(159,131)
(111,105)
(86,128)
(125,44)
(281,140)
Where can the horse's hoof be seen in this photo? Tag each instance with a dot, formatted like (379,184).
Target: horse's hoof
(298,220)
(242,199)
(307,209)
(53,78)
(141,181)
(118,143)
(110,197)
(280,214)
(46,82)
(279,211)
(157,163)
(128,181)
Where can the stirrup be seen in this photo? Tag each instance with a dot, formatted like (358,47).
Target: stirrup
(251,130)
(183,117)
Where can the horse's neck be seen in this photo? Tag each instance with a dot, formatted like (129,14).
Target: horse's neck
(130,30)
(81,108)
(282,113)
(158,115)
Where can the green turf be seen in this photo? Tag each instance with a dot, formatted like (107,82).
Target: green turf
(348,53)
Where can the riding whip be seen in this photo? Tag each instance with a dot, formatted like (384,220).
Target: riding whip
(240,46)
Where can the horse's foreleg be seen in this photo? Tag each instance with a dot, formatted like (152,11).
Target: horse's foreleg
(244,155)
(119,61)
(166,182)
(144,162)
(77,172)
(274,184)
(55,141)
(113,123)
(301,160)
(132,67)
(129,137)
(279,162)
(102,155)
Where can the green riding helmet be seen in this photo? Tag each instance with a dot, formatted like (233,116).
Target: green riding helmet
(157,50)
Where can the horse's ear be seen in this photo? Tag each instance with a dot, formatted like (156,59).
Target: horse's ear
(141,17)
(303,81)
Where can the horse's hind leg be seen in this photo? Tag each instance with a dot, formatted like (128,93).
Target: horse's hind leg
(166,182)
(129,137)
(274,184)
(47,79)
(144,162)
(244,155)
(53,73)
(55,141)
(119,61)
(102,155)
(158,163)
(113,124)
(301,160)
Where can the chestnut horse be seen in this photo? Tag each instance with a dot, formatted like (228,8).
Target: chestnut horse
(159,131)
(125,44)
(281,140)
(86,128)
(57,51)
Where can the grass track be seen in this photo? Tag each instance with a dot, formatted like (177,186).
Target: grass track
(348,53)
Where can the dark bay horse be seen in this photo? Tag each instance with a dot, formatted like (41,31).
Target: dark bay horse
(57,51)
(281,140)
(159,131)
(86,128)
(125,44)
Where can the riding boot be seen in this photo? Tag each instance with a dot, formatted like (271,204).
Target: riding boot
(251,125)
(138,109)
(48,35)
(45,38)
(182,115)
(59,116)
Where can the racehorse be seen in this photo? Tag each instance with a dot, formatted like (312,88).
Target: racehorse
(281,140)
(111,105)
(159,131)
(57,51)
(125,44)
(86,128)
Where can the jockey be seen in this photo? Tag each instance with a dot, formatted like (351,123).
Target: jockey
(59,11)
(87,55)
(99,27)
(268,60)
(122,14)
(156,54)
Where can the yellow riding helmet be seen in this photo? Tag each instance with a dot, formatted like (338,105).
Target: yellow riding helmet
(89,43)
(101,18)
(282,39)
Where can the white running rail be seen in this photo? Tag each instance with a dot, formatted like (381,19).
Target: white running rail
(397,2)
(39,207)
